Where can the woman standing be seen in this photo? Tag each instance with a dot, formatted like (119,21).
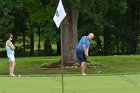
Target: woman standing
(10,54)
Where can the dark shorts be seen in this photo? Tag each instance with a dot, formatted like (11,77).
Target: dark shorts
(81,55)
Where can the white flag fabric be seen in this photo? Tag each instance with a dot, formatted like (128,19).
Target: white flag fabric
(59,14)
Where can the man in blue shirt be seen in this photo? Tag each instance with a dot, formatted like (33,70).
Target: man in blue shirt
(82,50)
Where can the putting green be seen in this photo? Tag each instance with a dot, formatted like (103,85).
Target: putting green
(72,84)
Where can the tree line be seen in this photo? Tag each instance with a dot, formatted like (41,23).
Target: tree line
(115,23)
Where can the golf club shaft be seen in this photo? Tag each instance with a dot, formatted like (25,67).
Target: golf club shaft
(93,65)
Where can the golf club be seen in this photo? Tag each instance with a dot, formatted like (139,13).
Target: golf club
(98,71)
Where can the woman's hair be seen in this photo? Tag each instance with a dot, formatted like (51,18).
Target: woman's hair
(8,35)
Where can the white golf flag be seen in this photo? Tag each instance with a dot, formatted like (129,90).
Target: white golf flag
(59,15)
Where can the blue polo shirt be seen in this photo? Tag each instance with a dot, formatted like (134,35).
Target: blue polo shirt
(84,40)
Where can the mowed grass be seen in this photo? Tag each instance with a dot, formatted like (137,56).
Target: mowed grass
(72,84)
(115,65)
(121,76)
(27,65)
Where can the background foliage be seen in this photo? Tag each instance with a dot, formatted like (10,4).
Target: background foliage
(115,23)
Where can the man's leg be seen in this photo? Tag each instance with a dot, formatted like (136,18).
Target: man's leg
(83,68)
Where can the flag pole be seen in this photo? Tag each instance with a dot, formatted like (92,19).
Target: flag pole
(58,17)
(62,61)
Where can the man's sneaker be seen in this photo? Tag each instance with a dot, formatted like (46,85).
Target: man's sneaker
(13,75)
(83,74)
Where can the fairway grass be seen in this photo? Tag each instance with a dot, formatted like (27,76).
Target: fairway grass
(121,76)
(72,84)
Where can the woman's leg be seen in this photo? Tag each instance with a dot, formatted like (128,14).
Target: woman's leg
(12,67)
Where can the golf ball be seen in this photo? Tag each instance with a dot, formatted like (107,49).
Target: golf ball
(19,75)
(100,71)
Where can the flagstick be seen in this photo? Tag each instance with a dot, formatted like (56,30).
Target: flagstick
(62,63)
(58,17)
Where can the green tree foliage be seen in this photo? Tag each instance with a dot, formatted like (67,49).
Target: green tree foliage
(26,18)
(109,20)
(115,23)
(40,17)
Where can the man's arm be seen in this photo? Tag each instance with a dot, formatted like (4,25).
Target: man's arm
(85,49)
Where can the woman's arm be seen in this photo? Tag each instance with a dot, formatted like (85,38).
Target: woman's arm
(10,45)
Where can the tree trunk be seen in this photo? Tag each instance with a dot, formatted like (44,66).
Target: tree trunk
(69,36)
(48,47)
(99,46)
(23,32)
(39,41)
(58,47)
(135,10)
(32,44)
(107,42)
(123,47)
(58,42)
